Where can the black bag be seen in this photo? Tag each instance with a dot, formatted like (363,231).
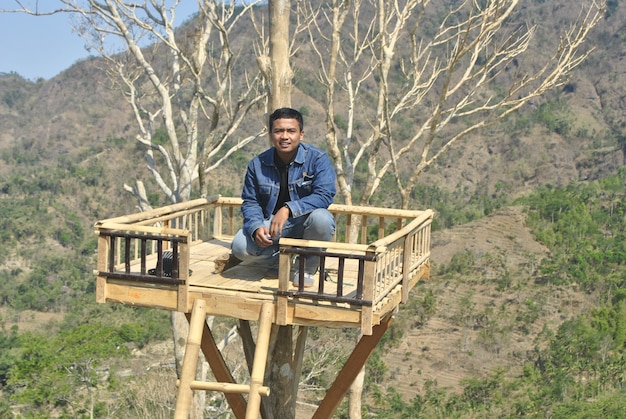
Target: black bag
(168,265)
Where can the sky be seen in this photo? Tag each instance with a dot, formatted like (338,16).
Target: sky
(43,46)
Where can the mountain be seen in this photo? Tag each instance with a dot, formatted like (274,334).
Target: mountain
(67,147)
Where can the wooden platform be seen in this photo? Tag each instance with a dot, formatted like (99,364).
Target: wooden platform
(359,283)
(165,259)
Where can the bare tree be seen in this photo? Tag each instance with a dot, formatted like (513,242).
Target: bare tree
(189,89)
(446,69)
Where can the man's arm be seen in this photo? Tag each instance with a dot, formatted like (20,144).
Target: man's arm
(251,207)
(322,184)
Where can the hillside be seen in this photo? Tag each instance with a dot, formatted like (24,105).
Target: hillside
(448,348)
(67,147)
(79,113)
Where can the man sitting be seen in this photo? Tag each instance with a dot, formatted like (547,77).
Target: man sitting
(286,193)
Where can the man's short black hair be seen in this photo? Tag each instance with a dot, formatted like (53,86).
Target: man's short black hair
(286,113)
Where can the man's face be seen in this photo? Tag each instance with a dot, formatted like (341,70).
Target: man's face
(286,136)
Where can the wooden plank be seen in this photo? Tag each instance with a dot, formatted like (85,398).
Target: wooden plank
(164,231)
(158,212)
(141,296)
(283,285)
(369,276)
(101,282)
(183,290)
(349,248)
(318,315)
(101,289)
(375,211)
(235,306)
(351,368)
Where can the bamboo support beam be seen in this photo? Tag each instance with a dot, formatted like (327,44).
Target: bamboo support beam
(190,361)
(351,368)
(226,387)
(260,359)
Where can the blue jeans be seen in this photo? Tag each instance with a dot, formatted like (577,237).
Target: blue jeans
(317,225)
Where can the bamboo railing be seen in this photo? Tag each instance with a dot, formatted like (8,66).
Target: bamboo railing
(390,247)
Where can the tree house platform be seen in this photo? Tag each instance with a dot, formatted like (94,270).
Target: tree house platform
(164,259)
(377,257)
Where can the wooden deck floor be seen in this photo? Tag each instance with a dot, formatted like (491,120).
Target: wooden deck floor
(250,278)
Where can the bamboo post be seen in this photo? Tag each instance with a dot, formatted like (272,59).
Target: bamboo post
(364,229)
(260,359)
(282,301)
(185,392)
(407,258)
(217,221)
(101,281)
(227,387)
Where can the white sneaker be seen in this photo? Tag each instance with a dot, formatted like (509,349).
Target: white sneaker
(309,279)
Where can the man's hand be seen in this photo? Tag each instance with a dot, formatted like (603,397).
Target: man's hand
(278,221)
(262,237)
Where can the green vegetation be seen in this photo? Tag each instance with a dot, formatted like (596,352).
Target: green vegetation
(57,176)
(574,371)
(583,225)
(552,114)
(579,370)
(66,366)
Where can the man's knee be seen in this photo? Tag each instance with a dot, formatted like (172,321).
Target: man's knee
(320,225)
(239,245)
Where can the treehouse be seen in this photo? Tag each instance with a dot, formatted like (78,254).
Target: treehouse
(164,259)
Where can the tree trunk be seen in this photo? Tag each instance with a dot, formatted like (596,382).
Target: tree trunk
(281,374)
(284,364)
(281,74)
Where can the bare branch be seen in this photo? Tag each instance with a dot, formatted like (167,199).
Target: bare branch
(187,121)
(445,83)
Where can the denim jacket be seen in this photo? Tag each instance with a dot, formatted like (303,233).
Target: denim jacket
(311,185)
